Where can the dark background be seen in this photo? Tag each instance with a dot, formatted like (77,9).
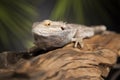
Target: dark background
(96,12)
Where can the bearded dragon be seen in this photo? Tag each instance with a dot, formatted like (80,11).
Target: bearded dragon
(54,34)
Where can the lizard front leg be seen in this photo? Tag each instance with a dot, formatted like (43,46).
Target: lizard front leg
(82,33)
(78,41)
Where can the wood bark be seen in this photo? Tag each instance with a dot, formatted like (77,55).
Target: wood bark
(93,62)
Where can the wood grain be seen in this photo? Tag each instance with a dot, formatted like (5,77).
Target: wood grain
(93,62)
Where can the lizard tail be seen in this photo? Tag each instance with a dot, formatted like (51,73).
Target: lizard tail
(99,29)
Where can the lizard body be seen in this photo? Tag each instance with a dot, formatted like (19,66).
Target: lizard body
(53,34)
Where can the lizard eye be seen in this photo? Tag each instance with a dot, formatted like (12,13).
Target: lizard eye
(47,22)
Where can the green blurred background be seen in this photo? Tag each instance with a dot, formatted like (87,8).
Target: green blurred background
(17,17)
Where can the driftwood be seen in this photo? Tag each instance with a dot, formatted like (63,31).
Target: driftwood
(93,62)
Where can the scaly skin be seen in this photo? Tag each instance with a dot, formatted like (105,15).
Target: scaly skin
(53,34)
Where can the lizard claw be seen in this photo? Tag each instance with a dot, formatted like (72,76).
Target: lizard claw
(78,41)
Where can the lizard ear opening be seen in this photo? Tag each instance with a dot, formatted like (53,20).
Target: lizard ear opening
(62,28)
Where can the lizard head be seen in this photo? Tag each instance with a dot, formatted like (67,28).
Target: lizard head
(48,27)
(51,34)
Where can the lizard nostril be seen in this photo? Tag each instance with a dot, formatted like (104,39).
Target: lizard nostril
(62,28)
